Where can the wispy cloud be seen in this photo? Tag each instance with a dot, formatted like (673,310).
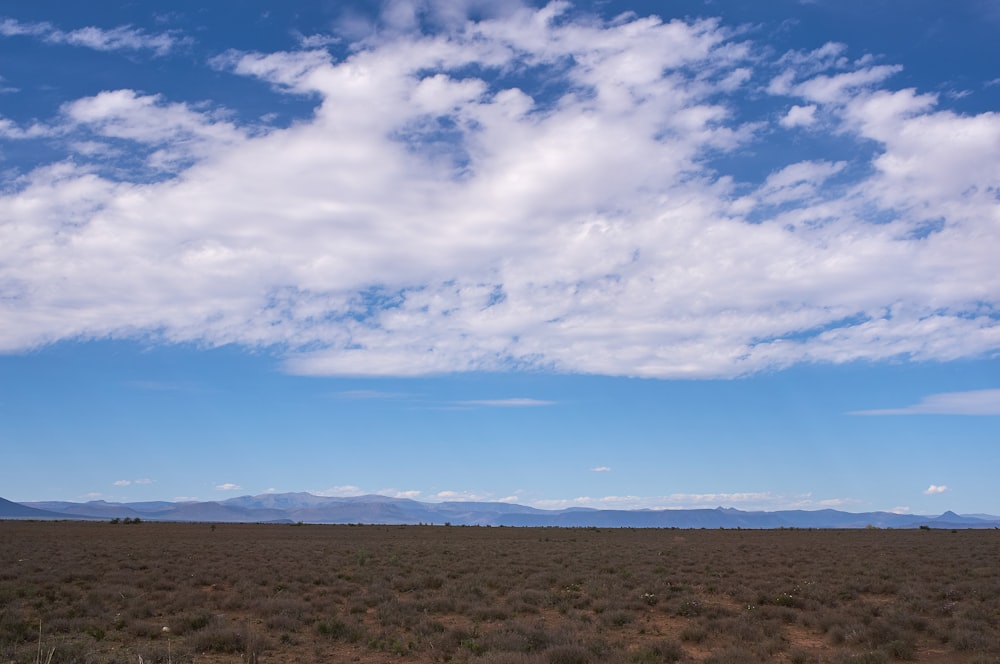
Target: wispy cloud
(935,489)
(601,469)
(228,486)
(369,394)
(140,482)
(342,491)
(747,501)
(159,386)
(100,39)
(463,496)
(507,403)
(975,402)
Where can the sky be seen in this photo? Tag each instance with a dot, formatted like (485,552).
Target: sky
(610,254)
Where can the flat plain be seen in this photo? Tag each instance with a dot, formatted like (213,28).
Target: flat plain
(99,592)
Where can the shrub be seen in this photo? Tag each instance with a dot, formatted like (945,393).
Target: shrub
(655,653)
(567,655)
(218,638)
(339,630)
(731,656)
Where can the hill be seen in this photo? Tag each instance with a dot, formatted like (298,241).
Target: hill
(375,509)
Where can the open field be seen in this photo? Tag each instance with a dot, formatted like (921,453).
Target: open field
(102,592)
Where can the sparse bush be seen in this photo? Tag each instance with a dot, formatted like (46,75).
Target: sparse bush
(218,638)
(501,595)
(656,653)
(567,655)
(339,630)
(732,656)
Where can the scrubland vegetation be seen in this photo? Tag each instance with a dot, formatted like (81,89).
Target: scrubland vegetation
(159,592)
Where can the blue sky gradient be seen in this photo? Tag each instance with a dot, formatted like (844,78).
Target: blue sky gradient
(606,254)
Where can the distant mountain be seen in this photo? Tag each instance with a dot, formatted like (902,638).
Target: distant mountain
(11,510)
(309,508)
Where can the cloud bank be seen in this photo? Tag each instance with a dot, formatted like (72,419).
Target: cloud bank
(537,190)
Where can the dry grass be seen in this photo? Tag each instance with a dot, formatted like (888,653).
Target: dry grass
(106,593)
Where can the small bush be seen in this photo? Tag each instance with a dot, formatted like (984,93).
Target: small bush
(731,656)
(339,630)
(567,655)
(655,653)
(218,639)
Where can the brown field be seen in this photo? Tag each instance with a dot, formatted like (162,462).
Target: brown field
(159,592)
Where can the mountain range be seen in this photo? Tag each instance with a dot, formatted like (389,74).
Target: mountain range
(374,509)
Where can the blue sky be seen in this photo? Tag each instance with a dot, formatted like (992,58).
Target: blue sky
(602,254)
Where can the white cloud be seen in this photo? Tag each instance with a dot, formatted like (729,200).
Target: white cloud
(318,41)
(935,489)
(838,88)
(799,116)
(169,135)
(601,469)
(410,494)
(140,482)
(369,394)
(462,496)
(507,403)
(975,402)
(745,501)
(343,491)
(797,182)
(10,131)
(228,486)
(118,38)
(430,218)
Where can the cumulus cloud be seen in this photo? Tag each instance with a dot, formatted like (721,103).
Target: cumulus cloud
(935,489)
(228,486)
(118,38)
(799,116)
(975,402)
(434,216)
